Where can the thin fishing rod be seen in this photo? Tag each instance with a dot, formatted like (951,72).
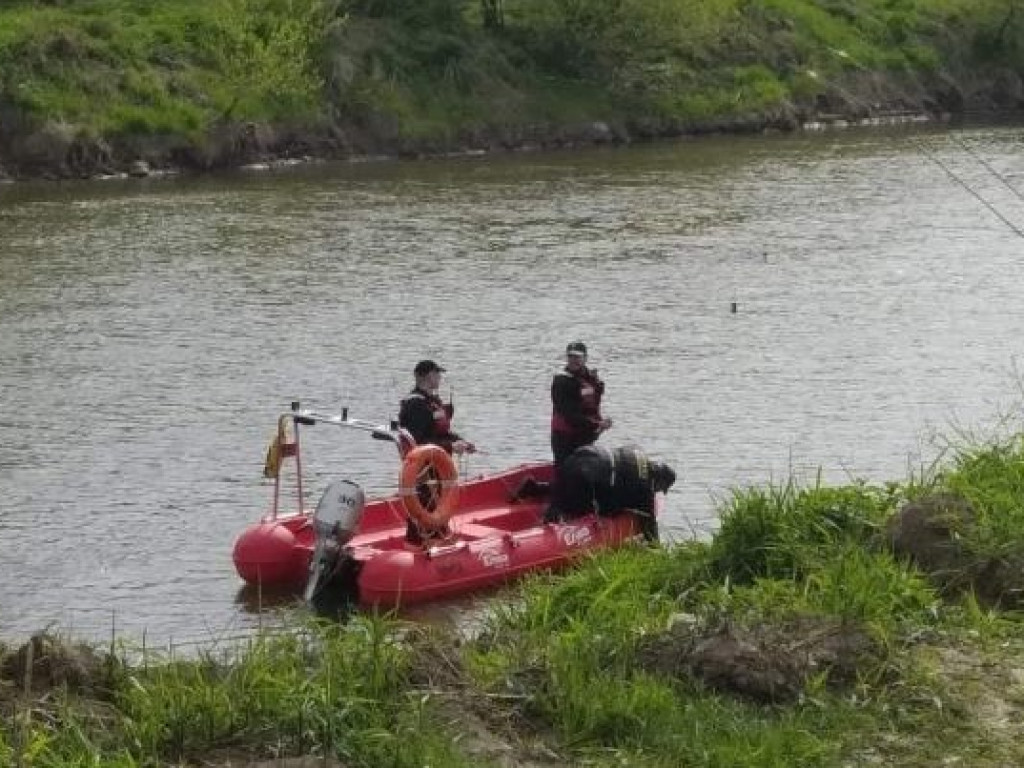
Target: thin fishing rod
(931,156)
(990,169)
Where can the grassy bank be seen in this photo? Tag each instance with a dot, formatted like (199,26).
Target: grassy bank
(88,86)
(821,626)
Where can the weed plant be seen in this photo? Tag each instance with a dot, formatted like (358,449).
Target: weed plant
(991,478)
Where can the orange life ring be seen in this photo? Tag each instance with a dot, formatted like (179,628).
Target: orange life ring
(428,485)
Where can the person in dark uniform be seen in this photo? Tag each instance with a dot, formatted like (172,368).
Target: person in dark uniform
(426,416)
(576,393)
(607,481)
(429,420)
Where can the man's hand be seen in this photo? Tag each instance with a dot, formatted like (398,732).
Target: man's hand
(463,446)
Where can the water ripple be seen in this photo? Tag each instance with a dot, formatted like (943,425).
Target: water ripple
(150,334)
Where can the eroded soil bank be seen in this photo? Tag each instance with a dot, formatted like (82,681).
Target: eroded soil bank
(54,149)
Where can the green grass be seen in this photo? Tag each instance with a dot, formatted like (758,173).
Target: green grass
(566,660)
(111,66)
(992,479)
(569,647)
(428,72)
(322,690)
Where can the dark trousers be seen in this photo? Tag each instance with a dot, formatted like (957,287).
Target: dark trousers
(563,444)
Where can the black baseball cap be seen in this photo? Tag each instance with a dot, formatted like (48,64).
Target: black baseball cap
(576,348)
(423,367)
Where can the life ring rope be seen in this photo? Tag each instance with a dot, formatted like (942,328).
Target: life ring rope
(429,486)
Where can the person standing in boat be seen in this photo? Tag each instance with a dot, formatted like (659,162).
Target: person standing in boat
(426,416)
(429,420)
(576,393)
(610,481)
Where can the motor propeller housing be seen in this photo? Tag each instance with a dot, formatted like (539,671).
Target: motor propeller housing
(335,521)
(339,511)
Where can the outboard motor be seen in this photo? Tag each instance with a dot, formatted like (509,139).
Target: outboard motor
(335,521)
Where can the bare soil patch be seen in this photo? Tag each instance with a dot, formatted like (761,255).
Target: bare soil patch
(495,730)
(46,662)
(767,663)
(935,532)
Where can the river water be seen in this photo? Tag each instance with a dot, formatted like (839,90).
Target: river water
(759,307)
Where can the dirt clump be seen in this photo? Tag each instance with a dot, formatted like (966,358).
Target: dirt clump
(936,532)
(930,531)
(492,731)
(45,662)
(766,663)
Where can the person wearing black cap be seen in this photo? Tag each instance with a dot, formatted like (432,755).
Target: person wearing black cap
(429,420)
(576,393)
(426,416)
(609,481)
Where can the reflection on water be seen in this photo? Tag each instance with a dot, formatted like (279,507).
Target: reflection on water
(257,599)
(151,332)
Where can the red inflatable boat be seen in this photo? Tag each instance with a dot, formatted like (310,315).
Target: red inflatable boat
(492,529)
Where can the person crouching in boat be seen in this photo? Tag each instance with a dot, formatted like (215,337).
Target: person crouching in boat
(609,481)
(429,420)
